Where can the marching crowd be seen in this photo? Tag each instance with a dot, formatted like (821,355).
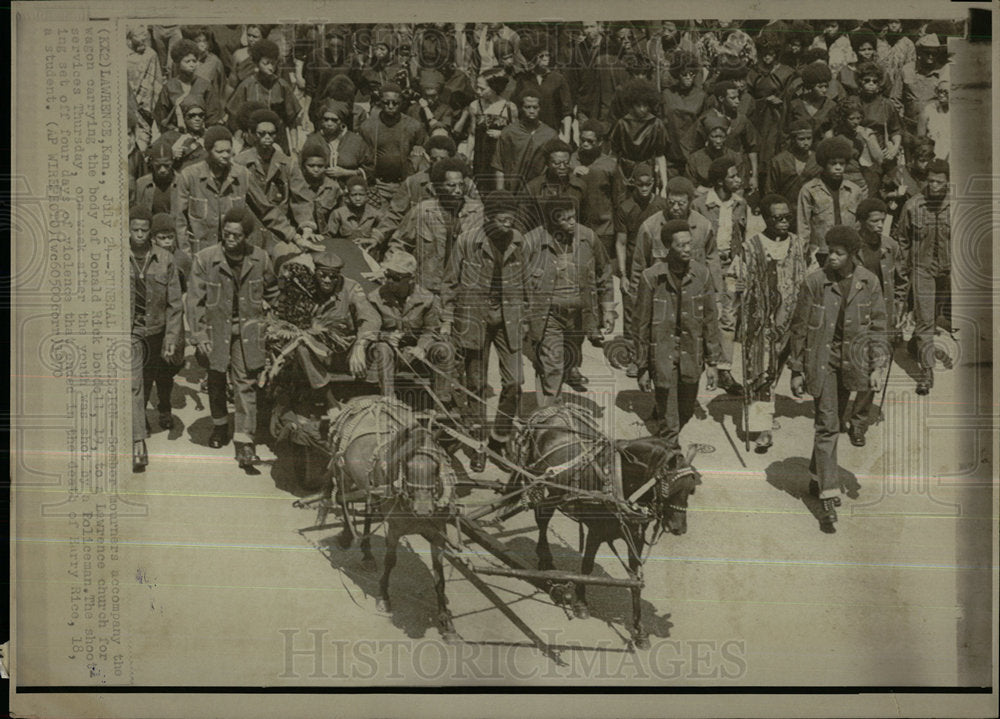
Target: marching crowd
(378,192)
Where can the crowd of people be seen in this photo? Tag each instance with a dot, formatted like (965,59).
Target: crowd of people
(388,190)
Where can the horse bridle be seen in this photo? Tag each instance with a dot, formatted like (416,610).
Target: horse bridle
(662,481)
(441,486)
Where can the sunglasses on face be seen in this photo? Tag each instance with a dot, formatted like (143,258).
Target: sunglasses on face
(781,218)
(195,113)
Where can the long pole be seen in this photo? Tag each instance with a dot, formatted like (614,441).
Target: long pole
(559,576)
(746,375)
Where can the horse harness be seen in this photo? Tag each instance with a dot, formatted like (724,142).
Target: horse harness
(581,424)
(395,427)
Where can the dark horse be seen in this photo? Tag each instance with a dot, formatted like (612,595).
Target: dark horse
(381,455)
(565,441)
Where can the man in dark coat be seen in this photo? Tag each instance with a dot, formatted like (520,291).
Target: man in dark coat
(791,168)
(231,285)
(925,239)
(556,181)
(485,299)
(677,331)
(603,182)
(431,228)
(411,318)
(345,316)
(273,177)
(879,254)
(571,298)
(640,204)
(156,321)
(155,191)
(650,248)
(205,191)
(838,346)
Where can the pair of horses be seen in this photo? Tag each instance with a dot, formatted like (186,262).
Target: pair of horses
(381,454)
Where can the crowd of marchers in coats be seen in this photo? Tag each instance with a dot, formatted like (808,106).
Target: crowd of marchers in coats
(393,189)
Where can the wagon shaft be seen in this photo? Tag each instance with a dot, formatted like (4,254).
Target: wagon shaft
(556,575)
(488,592)
(478,535)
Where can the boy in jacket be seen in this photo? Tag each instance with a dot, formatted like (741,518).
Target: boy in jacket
(838,346)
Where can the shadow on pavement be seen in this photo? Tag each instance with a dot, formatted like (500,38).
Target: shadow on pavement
(612,605)
(582,400)
(907,362)
(411,584)
(726,406)
(792,476)
(298,470)
(186,386)
(640,404)
(199,431)
(153,422)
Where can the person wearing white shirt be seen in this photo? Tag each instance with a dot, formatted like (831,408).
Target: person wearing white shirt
(935,122)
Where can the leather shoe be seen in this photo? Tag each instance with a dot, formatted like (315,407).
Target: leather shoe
(576,380)
(140,458)
(478,463)
(244,455)
(923,387)
(857,435)
(727,383)
(828,517)
(763,443)
(814,491)
(166,419)
(219,437)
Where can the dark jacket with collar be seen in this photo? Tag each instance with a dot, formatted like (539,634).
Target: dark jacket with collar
(649,248)
(864,336)
(890,262)
(200,203)
(420,315)
(430,236)
(348,313)
(925,234)
(163,308)
(783,176)
(660,343)
(708,207)
(210,304)
(146,191)
(543,188)
(312,205)
(466,287)
(593,274)
(270,190)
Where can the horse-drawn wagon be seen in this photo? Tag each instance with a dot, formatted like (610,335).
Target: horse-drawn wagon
(394,465)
